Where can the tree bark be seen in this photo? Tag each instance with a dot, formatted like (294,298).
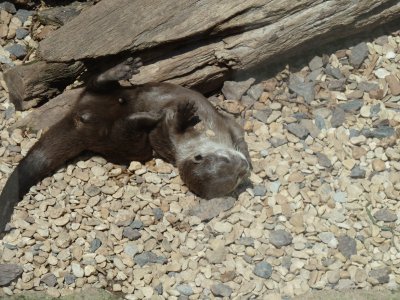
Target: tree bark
(200,43)
(30,83)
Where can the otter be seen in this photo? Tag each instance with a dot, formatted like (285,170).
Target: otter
(137,123)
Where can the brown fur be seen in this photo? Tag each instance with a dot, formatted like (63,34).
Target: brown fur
(126,124)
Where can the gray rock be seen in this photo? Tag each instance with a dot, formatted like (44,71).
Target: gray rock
(185,289)
(375,109)
(159,289)
(277,142)
(380,132)
(280,238)
(286,262)
(382,40)
(298,130)
(131,234)
(23,15)
(323,160)
(274,186)
(316,63)
(92,190)
(385,215)
(59,15)
(136,224)
(334,72)
(314,75)
(255,91)
(9,273)
(262,115)
(347,246)
(149,258)
(340,197)
(245,241)
(306,90)
(9,112)
(337,84)
(208,209)
(10,246)
(221,290)
(357,172)
(352,105)
(338,117)
(131,249)
(367,86)
(21,33)
(158,213)
(381,275)
(49,279)
(263,270)
(260,190)
(311,127)
(233,90)
(345,284)
(19,51)
(69,278)
(5,60)
(94,245)
(320,122)
(8,7)
(247,101)
(358,54)
(300,116)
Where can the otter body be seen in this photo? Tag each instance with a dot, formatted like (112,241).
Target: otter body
(126,124)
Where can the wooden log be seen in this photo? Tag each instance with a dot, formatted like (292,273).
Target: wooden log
(28,84)
(200,43)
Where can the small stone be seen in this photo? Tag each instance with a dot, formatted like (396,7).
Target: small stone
(158,213)
(17,50)
(223,227)
(368,86)
(159,289)
(235,90)
(316,63)
(323,160)
(89,270)
(378,165)
(9,272)
(49,279)
(136,224)
(277,142)
(98,171)
(280,238)
(385,215)
(358,54)
(320,122)
(333,276)
(263,270)
(394,84)
(124,218)
(262,115)
(357,172)
(255,91)
(131,249)
(131,234)
(298,130)
(352,105)
(337,84)
(381,73)
(340,197)
(380,132)
(347,246)
(94,245)
(69,278)
(21,33)
(338,117)
(334,72)
(8,7)
(149,258)
(245,241)
(77,270)
(221,290)
(185,289)
(260,190)
(381,275)
(208,209)
(306,90)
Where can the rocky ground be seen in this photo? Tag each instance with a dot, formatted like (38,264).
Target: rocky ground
(322,211)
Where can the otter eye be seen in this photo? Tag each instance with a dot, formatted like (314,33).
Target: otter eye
(121,100)
(198,158)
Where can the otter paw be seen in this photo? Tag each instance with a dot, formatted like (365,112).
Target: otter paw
(124,70)
(186,115)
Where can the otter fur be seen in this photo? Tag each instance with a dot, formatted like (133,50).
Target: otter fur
(125,124)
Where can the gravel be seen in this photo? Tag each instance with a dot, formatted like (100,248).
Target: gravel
(325,154)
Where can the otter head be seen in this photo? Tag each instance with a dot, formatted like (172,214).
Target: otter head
(214,173)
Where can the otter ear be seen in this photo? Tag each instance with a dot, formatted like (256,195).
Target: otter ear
(186,116)
(198,158)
